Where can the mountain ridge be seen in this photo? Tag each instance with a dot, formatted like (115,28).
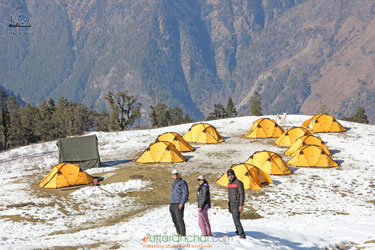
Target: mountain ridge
(297,54)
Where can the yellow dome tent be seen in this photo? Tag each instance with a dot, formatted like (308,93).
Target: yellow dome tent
(65,175)
(290,136)
(307,140)
(269,162)
(251,176)
(177,140)
(264,128)
(312,156)
(323,123)
(161,152)
(203,133)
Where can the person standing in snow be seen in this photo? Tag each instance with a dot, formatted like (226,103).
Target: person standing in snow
(236,199)
(204,203)
(179,195)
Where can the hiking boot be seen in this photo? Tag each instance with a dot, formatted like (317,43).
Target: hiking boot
(242,236)
(236,232)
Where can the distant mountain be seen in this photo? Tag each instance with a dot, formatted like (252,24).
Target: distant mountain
(303,56)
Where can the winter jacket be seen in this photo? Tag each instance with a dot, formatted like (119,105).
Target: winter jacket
(203,196)
(180,191)
(236,192)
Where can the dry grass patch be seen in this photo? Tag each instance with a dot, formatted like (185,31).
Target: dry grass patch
(223,204)
(217,155)
(89,246)
(249,213)
(341,213)
(19,218)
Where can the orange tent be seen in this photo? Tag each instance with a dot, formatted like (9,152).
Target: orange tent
(177,140)
(312,156)
(307,140)
(323,123)
(290,136)
(203,133)
(161,152)
(65,175)
(251,176)
(269,162)
(264,128)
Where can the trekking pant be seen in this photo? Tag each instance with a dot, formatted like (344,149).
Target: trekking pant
(233,208)
(204,223)
(178,218)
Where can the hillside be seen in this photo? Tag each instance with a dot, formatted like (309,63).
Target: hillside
(313,208)
(303,56)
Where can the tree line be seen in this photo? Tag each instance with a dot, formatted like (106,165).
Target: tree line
(221,112)
(22,125)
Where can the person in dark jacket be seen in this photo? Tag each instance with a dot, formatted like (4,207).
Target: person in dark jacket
(179,195)
(236,199)
(204,203)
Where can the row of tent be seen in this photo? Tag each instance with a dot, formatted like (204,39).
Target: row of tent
(81,153)
(305,149)
(257,169)
(268,128)
(169,146)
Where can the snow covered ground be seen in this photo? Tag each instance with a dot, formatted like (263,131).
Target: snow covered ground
(310,209)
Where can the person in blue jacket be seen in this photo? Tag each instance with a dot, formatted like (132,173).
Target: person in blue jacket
(179,195)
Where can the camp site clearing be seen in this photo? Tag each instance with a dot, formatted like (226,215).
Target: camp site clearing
(312,208)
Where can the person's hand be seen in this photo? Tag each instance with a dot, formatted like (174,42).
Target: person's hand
(200,209)
(240,209)
(180,206)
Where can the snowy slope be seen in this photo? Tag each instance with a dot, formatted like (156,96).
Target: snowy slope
(310,209)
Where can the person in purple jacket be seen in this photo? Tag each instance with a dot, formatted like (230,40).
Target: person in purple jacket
(204,203)
(179,195)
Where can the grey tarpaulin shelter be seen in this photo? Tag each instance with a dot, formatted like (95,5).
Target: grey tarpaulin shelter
(81,150)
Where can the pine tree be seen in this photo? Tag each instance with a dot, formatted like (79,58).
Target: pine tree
(101,122)
(360,116)
(176,116)
(84,118)
(29,120)
(60,119)
(4,121)
(187,119)
(45,122)
(15,134)
(230,109)
(255,104)
(218,113)
(161,115)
